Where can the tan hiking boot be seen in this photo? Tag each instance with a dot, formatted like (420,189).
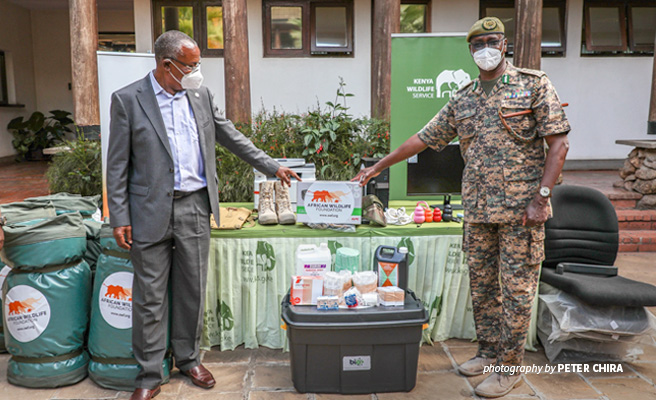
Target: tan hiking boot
(497,385)
(266,209)
(284,209)
(475,366)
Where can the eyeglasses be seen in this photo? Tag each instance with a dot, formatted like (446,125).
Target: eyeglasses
(481,45)
(191,67)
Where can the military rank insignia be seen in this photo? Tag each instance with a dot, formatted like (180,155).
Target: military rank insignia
(516,94)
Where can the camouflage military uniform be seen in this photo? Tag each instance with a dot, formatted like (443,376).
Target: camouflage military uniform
(502,174)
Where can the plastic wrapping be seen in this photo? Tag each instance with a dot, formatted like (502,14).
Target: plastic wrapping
(573,331)
(336,283)
(365,281)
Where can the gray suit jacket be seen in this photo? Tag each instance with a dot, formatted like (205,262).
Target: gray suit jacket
(140,175)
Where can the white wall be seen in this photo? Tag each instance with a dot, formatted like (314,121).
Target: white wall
(296,84)
(453,16)
(52,60)
(608,96)
(16,41)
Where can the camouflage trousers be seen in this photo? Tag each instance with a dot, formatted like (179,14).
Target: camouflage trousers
(504,264)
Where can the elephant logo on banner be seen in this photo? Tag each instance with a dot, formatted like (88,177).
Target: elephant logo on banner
(407,242)
(224,316)
(265,256)
(453,80)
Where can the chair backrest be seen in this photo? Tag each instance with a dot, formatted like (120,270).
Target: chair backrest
(584,228)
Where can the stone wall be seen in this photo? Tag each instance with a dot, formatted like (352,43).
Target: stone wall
(639,175)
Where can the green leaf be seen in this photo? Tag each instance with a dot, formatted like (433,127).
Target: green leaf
(333,136)
(324,168)
(307,139)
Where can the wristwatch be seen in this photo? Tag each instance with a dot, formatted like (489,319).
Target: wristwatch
(545,192)
(3,221)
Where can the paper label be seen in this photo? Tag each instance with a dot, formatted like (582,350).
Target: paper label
(356,363)
(115,300)
(614,325)
(27,313)
(388,274)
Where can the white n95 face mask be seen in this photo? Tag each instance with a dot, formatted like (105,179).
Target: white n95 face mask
(192,80)
(488,58)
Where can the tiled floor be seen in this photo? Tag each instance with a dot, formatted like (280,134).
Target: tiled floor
(265,374)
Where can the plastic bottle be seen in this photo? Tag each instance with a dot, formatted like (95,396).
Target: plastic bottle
(312,260)
(391,265)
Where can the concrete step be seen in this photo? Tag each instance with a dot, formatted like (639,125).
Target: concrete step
(637,241)
(622,199)
(636,220)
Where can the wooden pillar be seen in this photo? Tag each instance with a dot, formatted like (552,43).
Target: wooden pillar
(236,61)
(651,124)
(528,34)
(386,20)
(84,44)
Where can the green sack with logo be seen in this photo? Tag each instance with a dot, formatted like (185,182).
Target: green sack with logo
(21,211)
(373,210)
(46,318)
(68,203)
(4,271)
(41,243)
(112,363)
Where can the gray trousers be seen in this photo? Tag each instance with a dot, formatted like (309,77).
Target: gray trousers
(177,263)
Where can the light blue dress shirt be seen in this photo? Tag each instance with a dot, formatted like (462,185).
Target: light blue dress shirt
(182,132)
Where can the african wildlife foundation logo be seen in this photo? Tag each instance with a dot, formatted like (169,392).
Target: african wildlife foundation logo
(115,300)
(27,313)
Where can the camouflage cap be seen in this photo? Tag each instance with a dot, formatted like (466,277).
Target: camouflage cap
(486,26)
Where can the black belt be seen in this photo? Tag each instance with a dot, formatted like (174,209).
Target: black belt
(178,194)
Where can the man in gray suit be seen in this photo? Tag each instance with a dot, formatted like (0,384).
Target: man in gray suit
(162,186)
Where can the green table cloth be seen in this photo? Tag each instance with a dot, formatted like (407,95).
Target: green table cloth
(250,272)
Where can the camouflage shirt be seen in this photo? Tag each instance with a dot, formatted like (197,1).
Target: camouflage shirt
(503,169)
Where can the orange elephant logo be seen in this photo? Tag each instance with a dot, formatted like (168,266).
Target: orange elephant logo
(324,196)
(118,292)
(20,307)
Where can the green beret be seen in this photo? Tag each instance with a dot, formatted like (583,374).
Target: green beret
(486,26)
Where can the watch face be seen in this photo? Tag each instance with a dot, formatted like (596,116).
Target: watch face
(544,191)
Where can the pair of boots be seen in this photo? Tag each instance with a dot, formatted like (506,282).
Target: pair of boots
(273,212)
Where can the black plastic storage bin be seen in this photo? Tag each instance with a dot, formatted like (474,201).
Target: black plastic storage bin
(371,350)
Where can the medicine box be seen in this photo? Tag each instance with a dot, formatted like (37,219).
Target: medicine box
(349,351)
(331,202)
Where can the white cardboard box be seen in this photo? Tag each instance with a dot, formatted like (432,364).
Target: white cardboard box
(333,202)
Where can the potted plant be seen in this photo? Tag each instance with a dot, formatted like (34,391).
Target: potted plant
(38,132)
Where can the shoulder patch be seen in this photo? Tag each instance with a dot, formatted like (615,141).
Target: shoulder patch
(533,72)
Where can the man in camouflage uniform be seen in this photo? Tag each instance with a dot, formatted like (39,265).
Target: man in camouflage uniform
(506,187)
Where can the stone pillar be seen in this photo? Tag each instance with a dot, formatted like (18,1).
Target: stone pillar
(84,44)
(386,20)
(528,34)
(236,61)
(143,31)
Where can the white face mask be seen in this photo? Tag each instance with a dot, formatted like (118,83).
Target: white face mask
(192,80)
(488,58)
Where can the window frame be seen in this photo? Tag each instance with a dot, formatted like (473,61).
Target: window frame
(427,18)
(631,37)
(621,7)
(561,5)
(4,99)
(309,49)
(266,28)
(199,19)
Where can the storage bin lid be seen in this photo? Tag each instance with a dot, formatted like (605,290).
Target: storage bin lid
(412,313)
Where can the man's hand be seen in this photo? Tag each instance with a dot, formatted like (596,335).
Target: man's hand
(2,238)
(537,212)
(365,175)
(284,173)
(123,236)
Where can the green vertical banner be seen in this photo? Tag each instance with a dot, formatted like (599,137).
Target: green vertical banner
(426,70)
